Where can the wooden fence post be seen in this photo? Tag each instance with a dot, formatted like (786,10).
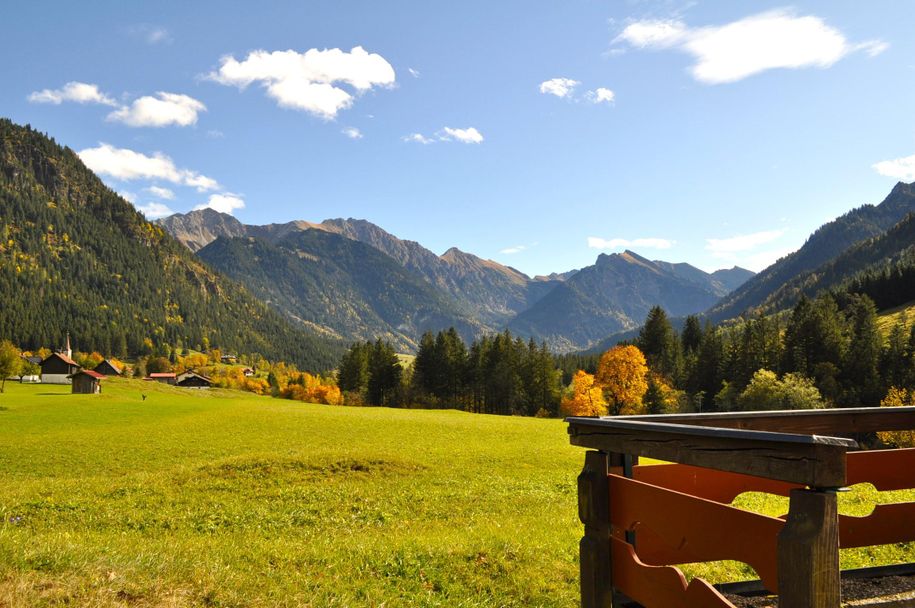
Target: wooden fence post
(808,552)
(594,548)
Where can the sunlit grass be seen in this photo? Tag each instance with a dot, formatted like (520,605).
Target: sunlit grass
(218,498)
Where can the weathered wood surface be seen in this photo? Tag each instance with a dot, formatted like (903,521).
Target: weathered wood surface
(834,421)
(808,552)
(809,460)
(594,548)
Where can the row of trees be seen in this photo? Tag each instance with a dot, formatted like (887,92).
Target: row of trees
(832,344)
(497,374)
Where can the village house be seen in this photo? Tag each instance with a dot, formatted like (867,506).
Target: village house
(248,372)
(87,382)
(57,369)
(191,379)
(229,359)
(108,368)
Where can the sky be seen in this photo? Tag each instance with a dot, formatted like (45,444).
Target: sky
(537,134)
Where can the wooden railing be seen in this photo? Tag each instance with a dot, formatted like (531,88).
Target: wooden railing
(641,521)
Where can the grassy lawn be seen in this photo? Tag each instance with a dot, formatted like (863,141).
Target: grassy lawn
(218,498)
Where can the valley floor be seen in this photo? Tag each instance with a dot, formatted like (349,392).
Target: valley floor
(218,498)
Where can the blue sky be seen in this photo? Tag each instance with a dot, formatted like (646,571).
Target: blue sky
(537,134)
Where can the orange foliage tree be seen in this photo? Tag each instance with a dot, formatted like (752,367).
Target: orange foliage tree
(584,398)
(622,373)
(897,397)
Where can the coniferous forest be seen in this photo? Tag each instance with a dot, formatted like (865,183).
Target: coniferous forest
(75,257)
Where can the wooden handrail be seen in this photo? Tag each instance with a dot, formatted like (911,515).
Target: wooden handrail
(811,460)
(834,421)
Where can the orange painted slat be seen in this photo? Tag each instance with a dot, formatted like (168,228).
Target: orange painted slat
(720,486)
(660,586)
(672,528)
(886,469)
(894,523)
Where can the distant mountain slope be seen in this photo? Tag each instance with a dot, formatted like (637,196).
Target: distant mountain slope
(338,286)
(613,295)
(720,282)
(824,245)
(893,249)
(75,257)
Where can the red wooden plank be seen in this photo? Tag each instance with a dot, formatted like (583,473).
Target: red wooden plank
(886,469)
(660,586)
(711,484)
(672,527)
(885,525)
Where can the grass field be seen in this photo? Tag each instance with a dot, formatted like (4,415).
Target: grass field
(218,498)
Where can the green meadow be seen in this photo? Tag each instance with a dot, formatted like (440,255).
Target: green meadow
(219,498)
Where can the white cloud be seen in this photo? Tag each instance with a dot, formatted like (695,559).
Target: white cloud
(763,259)
(734,51)
(418,138)
(130,197)
(224,203)
(154,211)
(160,111)
(600,95)
(307,81)
(515,249)
(743,242)
(560,87)
(595,242)
(468,136)
(414,73)
(162,193)
(653,34)
(215,134)
(126,165)
(150,34)
(79,92)
(352,132)
(899,168)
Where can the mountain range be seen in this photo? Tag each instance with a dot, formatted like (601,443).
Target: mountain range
(378,285)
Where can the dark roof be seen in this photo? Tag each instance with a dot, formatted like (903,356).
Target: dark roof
(33,359)
(62,357)
(88,372)
(110,364)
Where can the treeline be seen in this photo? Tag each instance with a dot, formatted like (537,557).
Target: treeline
(496,374)
(831,344)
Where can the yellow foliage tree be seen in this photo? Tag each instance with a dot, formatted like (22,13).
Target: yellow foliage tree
(897,397)
(584,398)
(621,373)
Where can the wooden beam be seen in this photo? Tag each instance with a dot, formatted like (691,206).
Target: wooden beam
(809,460)
(594,548)
(808,552)
(836,421)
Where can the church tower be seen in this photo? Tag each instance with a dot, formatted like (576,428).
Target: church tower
(67,350)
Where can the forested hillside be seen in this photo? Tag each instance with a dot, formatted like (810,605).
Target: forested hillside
(75,257)
(824,245)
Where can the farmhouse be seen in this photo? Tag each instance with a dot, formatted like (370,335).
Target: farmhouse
(229,359)
(87,382)
(163,377)
(108,368)
(191,379)
(58,368)
(248,372)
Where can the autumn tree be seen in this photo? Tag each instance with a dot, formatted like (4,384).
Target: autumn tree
(584,398)
(10,362)
(621,373)
(898,397)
